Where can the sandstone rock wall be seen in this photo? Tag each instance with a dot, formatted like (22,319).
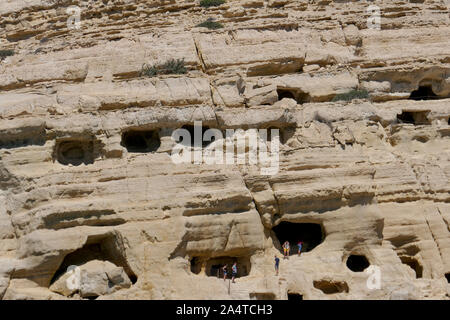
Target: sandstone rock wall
(372,173)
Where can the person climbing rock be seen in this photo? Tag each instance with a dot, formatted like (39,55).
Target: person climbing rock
(277,264)
(233,272)
(300,245)
(224,269)
(286,248)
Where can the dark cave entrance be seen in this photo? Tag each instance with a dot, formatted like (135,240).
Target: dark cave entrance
(447,276)
(423,93)
(141,141)
(292,296)
(285,94)
(191,130)
(213,266)
(299,96)
(414,264)
(311,234)
(414,117)
(357,263)
(104,248)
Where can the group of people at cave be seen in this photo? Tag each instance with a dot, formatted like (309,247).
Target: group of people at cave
(286,252)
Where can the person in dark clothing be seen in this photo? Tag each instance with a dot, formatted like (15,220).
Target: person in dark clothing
(277,264)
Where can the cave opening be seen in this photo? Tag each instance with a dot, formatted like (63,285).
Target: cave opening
(311,234)
(299,96)
(331,287)
(196,267)
(141,141)
(191,130)
(75,152)
(447,276)
(104,248)
(423,93)
(413,264)
(292,296)
(213,266)
(357,263)
(414,117)
(282,93)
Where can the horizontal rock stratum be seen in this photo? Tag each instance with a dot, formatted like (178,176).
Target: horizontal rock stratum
(92,206)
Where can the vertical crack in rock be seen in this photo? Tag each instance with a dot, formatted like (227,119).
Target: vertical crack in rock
(199,55)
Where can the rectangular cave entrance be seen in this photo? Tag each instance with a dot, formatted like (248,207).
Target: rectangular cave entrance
(213,266)
(414,117)
(311,234)
(141,141)
(191,130)
(293,296)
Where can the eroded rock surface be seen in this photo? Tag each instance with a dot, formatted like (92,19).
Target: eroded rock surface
(363,178)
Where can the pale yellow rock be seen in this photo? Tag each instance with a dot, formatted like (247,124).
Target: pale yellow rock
(87,178)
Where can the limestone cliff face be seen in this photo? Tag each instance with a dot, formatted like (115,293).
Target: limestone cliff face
(86,177)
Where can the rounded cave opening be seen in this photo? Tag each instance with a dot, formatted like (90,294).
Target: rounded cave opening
(423,93)
(141,141)
(311,234)
(357,263)
(102,248)
(74,152)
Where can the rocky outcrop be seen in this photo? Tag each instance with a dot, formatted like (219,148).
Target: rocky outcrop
(87,181)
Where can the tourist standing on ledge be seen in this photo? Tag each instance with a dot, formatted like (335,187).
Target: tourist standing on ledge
(224,269)
(277,264)
(233,271)
(300,245)
(286,248)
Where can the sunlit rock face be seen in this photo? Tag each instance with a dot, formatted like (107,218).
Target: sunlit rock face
(92,205)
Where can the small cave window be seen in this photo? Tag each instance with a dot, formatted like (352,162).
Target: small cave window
(292,296)
(196,266)
(141,141)
(285,94)
(299,96)
(331,287)
(423,93)
(414,264)
(311,234)
(191,130)
(447,276)
(213,266)
(357,263)
(75,152)
(414,117)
